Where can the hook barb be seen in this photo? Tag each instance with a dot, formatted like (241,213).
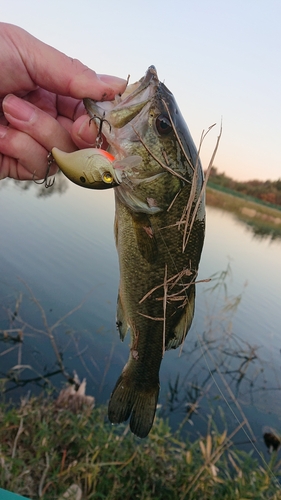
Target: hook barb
(47,182)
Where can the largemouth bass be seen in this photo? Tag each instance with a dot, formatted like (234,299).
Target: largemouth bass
(159,233)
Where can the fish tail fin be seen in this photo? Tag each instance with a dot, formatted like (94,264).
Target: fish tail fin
(144,411)
(129,398)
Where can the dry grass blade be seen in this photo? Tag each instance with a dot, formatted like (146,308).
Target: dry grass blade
(187,211)
(176,134)
(186,218)
(8,350)
(234,399)
(154,318)
(163,165)
(41,484)
(20,430)
(165,286)
(173,280)
(210,458)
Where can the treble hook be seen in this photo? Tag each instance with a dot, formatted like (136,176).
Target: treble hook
(99,139)
(45,181)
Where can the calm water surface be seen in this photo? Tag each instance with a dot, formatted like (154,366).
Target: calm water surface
(59,248)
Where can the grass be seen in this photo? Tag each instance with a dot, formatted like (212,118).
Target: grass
(45,450)
(262,219)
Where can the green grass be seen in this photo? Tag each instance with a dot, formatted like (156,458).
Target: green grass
(44,450)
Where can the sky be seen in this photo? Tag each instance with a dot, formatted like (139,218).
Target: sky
(221,60)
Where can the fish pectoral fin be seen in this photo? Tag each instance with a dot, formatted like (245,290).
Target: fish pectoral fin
(184,323)
(128,399)
(130,162)
(145,236)
(121,320)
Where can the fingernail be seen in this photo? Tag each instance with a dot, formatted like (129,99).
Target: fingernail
(118,85)
(18,108)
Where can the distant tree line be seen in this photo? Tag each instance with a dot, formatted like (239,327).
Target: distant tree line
(268,191)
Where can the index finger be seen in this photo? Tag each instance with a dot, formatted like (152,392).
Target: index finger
(60,74)
(54,71)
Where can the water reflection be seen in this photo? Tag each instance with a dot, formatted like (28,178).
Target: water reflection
(261,230)
(35,352)
(59,186)
(220,349)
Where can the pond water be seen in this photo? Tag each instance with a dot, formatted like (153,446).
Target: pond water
(57,253)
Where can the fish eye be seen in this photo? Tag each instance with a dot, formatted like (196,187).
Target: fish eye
(163,125)
(82,179)
(107,177)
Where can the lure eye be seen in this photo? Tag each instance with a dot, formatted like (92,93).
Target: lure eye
(107,178)
(163,125)
(82,179)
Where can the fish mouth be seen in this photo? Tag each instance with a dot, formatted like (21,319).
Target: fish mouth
(151,74)
(124,108)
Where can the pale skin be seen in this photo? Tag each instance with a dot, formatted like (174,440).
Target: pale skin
(41,92)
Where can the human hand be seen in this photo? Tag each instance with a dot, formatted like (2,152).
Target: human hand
(41,91)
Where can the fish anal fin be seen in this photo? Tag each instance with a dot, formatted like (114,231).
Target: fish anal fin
(184,323)
(130,399)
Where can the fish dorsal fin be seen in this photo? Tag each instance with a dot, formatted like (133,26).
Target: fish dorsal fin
(145,236)
(184,323)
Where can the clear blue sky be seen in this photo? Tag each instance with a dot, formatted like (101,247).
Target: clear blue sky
(221,59)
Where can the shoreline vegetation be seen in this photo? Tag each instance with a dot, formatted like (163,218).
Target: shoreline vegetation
(262,219)
(47,451)
(266,192)
(255,202)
